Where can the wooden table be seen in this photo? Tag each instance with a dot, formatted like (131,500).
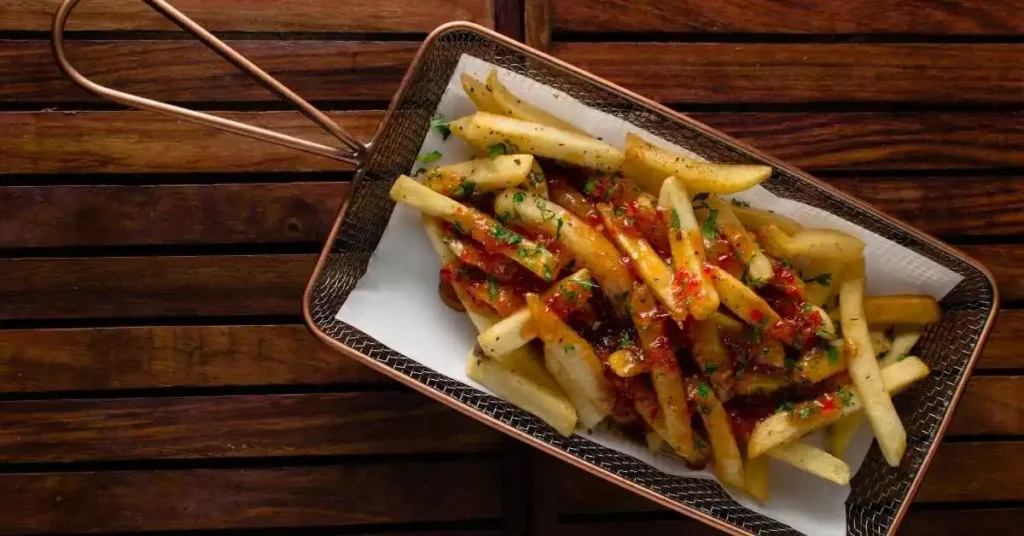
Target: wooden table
(154,370)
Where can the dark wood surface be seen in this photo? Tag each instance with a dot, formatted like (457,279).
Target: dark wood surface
(154,371)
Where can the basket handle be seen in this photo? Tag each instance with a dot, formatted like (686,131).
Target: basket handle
(352,153)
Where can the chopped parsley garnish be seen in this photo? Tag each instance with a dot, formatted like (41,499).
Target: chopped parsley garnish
(823,334)
(757,282)
(429,157)
(492,287)
(503,234)
(547,273)
(518,197)
(625,339)
(785,407)
(710,368)
(589,283)
(466,187)
(558,229)
(821,279)
(807,307)
(710,227)
(833,354)
(568,347)
(496,150)
(703,390)
(845,395)
(676,224)
(535,177)
(902,357)
(699,443)
(457,227)
(545,212)
(805,412)
(440,124)
(590,186)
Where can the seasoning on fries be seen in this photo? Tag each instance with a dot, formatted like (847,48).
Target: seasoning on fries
(622,288)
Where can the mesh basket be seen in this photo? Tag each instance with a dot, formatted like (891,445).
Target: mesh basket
(880,493)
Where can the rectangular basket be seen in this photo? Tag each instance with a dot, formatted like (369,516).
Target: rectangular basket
(880,494)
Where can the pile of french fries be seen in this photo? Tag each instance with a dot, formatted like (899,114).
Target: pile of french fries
(621,287)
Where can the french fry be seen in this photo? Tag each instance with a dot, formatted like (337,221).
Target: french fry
(742,300)
(770,352)
(480,318)
(711,355)
(687,247)
(574,201)
(484,130)
(588,246)
(903,341)
(820,278)
(521,379)
(531,255)
(518,329)
(626,363)
(880,342)
(757,383)
(811,244)
(784,427)
(841,432)
(512,106)
(648,264)
(665,375)
(727,323)
(902,309)
(813,460)
(862,365)
(573,363)
(480,94)
(727,458)
(818,364)
(482,175)
(754,219)
(756,478)
(536,180)
(649,165)
(721,216)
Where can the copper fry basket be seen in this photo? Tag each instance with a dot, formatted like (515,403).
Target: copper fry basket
(880,494)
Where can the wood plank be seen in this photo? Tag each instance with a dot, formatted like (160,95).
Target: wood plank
(960,472)
(185,71)
(946,206)
(58,431)
(1006,261)
(138,142)
(67,216)
(867,140)
(969,17)
(802,73)
(253,15)
(171,356)
(917,523)
(991,405)
(144,142)
(1003,351)
(106,287)
(206,499)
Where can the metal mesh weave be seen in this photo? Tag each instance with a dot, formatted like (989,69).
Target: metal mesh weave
(878,490)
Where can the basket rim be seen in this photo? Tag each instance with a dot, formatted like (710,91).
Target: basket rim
(493,422)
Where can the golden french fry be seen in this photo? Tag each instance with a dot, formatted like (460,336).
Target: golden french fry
(785,427)
(518,329)
(521,379)
(720,215)
(754,219)
(574,364)
(647,262)
(841,432)
(481,319)
(711,355)
(626,363)
(770,352)
(649,165)
(756,473)
(727,323)
(756,383)
(742,300)
(862,365)
(813,460)
(513,106)
(484,229)
(818,364)
(811,244)
(903,342)
(484,130)
(482,175)
(687,248)
(536,181)
(726,453)
(902,309)
(480,94)
(820,280)
(880,342)
(588,246)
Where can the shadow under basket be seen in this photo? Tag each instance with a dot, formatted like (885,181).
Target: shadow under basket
(880,494)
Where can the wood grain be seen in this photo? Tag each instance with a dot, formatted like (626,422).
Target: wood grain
(185,71)
(78,216)
(991,405)
(206,499)
(144,142)
(1006,261)
(1003,349)
(137,142)
(254,15)
(789,16)
(801,73)
(538,23)
(105,287)
(917,523)
(171,356)
(235,427)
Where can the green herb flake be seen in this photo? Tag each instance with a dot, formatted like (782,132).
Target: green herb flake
(805,412)
(807,308)
(427,158)
(785,407)
(822,333)
(710,368)
(590,186)
(676,224)
(568,348)
(757,282)
(441,125)
(699,443)
(833,354)
(547,273)
(845,395)
(518,197)
(821,279)
(492,287)
(496,150)
(465,188)
(625,339)
(457,227)
(902,357)
(710,227)
(558,229)
(703,390)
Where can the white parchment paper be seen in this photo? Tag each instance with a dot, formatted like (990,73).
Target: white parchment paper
(396,302)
